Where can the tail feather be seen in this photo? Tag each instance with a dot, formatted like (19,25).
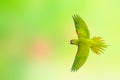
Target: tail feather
(98,45)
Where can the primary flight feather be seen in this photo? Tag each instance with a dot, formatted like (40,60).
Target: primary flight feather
(84,43)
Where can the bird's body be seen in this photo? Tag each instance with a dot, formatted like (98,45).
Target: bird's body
(84,43)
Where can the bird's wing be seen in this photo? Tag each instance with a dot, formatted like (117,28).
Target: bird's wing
(81,27)
(80,58)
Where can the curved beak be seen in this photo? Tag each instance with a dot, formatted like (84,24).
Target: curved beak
(71,41)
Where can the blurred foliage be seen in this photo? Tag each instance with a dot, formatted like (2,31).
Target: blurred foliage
(24,21)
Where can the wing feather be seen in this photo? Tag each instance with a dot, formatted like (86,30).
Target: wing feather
(80,58)
(83,47)
(81,27)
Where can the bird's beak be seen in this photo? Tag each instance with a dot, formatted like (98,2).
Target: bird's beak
(71,41)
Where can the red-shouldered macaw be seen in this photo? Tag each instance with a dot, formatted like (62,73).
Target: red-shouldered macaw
(84,43)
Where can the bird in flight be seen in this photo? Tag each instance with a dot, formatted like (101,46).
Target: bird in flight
(84,43)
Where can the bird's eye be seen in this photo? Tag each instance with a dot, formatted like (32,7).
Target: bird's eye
(71,42)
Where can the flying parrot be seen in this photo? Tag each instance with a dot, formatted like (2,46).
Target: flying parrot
(84,43)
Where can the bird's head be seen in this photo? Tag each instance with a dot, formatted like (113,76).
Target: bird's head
(74,42)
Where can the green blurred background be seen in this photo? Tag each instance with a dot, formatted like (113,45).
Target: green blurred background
(35,35)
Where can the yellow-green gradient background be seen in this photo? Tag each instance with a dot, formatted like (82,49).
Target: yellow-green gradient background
(35,35)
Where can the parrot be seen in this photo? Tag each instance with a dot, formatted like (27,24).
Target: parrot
(84,43)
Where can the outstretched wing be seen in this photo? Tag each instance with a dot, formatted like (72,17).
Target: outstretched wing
(83,48)
(81,57)
(81,27)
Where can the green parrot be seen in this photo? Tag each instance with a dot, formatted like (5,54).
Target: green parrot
(84,43)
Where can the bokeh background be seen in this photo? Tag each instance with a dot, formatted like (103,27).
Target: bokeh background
(35,35)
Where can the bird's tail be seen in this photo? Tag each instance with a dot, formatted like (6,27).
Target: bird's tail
(97,45)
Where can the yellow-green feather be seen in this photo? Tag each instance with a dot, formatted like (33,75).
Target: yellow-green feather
(81,57)
(83,46)
(81,27)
